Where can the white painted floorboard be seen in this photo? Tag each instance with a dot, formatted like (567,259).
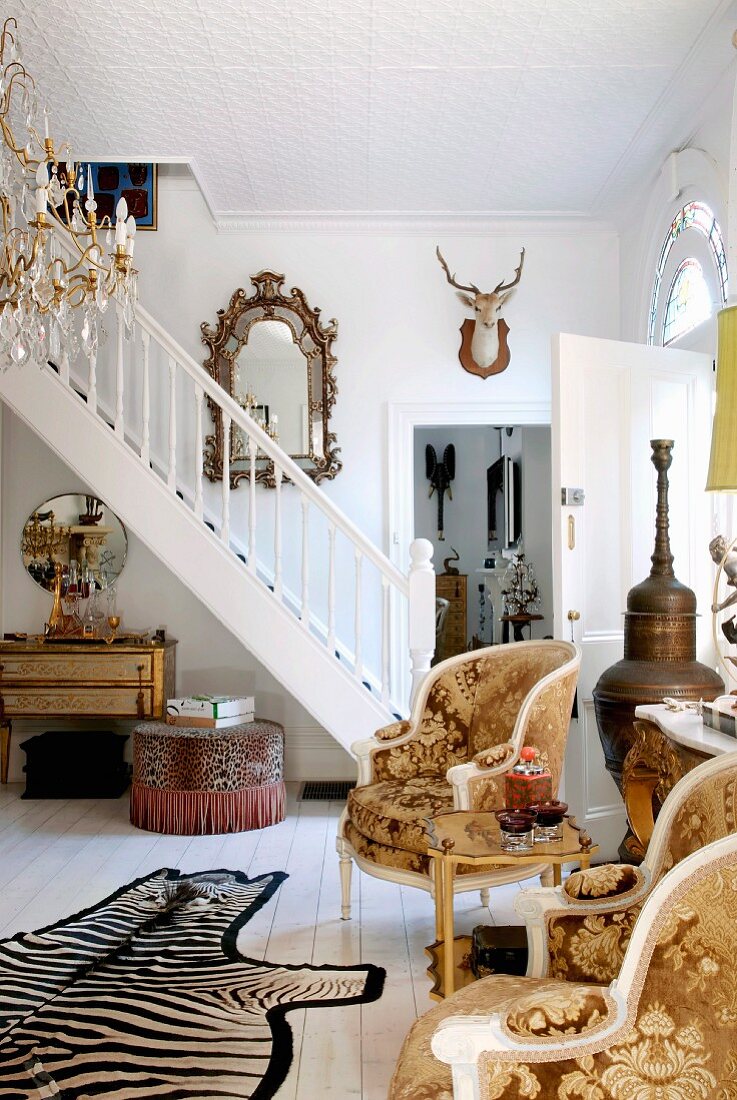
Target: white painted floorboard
(57,857)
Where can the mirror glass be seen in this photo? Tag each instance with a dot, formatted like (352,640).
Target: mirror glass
(73,528)
(271,367)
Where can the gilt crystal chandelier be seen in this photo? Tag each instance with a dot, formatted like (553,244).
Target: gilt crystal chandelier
(56,258)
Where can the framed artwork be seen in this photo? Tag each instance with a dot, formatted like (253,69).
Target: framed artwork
(136,183)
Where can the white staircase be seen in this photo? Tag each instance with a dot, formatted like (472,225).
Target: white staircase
(285,570)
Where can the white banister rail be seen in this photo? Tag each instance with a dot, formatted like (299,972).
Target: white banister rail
(267,446)
(152,393)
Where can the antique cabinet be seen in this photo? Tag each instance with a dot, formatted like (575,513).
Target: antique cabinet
(82,680)
(454,589)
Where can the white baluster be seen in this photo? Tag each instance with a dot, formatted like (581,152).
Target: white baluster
(357,616)
(64,371)
(385,642)
(145,401)
(278,477)
(252,452)
(91,382)
(119,378)
(331,589)
(305,563)
(198,399)
(172,479)
(225,525)
(421,611)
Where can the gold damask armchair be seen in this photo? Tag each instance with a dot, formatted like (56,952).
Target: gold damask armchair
(579,931)
(472,716)
(666,1028)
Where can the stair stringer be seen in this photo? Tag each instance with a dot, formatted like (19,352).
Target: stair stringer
(108,466)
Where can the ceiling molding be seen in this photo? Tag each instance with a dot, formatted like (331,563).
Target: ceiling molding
(546,224)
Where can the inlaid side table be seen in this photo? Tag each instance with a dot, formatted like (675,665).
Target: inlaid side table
(667,745)
(472,838)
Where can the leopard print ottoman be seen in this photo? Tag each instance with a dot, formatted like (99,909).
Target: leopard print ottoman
(191,781)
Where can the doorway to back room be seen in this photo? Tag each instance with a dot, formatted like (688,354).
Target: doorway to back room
(482,496)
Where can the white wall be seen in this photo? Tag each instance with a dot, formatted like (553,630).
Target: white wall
(399,320)
(149,595)
(398,341)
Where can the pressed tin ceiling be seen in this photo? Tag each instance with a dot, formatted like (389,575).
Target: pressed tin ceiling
(378,106)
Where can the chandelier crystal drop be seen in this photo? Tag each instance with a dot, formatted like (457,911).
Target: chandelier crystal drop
(56,256)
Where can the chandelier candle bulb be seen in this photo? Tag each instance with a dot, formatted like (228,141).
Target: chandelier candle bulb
(90,188)
(42,179)
(121,214)
(130,234)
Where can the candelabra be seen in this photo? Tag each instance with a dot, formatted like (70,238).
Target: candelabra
(249,404)
(39,540)
(521,594)
(52,261)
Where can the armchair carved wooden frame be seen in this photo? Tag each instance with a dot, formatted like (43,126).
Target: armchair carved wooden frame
(471,717)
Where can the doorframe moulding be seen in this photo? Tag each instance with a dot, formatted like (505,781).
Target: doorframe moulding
(402,419)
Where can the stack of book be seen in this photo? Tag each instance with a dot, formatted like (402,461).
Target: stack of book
(210,711)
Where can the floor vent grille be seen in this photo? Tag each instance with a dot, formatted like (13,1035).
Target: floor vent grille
(326,790)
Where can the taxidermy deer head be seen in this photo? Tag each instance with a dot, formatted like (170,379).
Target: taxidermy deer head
(487,309)
(440,475)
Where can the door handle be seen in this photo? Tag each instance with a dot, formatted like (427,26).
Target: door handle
(571,532)
(573,617)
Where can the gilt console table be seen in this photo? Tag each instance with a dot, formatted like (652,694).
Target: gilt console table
(82,680)
(667,745)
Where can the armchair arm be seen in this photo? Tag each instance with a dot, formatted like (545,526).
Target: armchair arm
(520,1043)
(396,733)
(478,785)
(556,918)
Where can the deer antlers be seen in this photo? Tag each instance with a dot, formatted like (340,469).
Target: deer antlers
(474,289)
(452,278)
(517,276)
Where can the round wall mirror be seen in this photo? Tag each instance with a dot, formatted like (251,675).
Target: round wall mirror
(80,532)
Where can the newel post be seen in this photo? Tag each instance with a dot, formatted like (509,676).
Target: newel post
(421,610)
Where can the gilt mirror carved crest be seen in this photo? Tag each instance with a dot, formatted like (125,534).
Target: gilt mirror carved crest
(274,357)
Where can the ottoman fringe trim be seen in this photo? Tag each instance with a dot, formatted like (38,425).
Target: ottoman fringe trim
(197,813)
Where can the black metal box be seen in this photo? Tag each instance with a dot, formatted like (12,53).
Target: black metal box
(498,950)
(75,764)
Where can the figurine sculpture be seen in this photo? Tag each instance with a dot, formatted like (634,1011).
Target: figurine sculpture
(440,475)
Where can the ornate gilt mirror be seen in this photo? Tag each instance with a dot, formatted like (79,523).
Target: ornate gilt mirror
(274,357)
(73,528)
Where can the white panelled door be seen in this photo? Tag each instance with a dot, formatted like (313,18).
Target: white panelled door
(609,400)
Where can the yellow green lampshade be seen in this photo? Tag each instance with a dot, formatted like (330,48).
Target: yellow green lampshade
(722,475)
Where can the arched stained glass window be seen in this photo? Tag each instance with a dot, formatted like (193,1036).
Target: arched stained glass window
(698,216)
(689,301)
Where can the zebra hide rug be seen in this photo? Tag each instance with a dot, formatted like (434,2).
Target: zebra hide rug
(146,995)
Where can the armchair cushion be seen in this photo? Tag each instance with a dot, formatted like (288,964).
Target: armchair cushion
(393,730)
(568,1010)
(393,812)
(611,880)
(495,756)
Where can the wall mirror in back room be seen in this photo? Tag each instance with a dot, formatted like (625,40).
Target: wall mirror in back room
(482,496)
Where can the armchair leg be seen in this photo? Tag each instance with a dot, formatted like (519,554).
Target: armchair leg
(485,897)
(346,868)
(546,877)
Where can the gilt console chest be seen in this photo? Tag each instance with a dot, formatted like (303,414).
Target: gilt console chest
(82,680)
